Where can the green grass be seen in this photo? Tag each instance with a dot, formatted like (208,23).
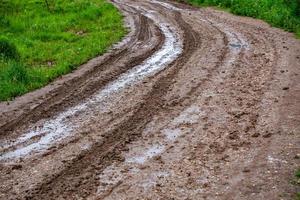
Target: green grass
(51,41)
(279,13)
(297,182)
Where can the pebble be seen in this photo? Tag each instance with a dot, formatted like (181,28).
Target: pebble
(16,167)
(246,170)
(255,134)
(267,135)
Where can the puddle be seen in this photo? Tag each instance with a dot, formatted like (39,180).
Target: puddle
(236,40)
(172,134)
(238,46)
(152,179)
(166,5)
(148,154)
(110,175)
(189,116)
(61,126)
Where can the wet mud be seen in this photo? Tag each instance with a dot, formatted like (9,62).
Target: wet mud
(192,104)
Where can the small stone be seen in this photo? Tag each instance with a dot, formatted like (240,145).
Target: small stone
(285,88)
(143,167)
(297,156)
(205,185)
(255,134)
(16,167)
(282,71)
(267,134)
(225,157)
(246,170)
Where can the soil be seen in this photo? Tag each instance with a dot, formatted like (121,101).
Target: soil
(192,104)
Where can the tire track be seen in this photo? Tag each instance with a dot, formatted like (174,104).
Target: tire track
(189,129)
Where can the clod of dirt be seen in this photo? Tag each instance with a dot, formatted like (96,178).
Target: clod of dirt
(256,134)
(267,134)
(246,170)
(297,156)
(16,167)
(285,88)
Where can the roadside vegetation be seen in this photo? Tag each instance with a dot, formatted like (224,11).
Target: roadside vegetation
(43,39)
(298,183)
(279,13)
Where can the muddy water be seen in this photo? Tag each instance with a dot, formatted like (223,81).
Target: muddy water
(64,124)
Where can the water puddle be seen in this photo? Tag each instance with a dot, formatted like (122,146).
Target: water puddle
(189,116)
(108,179)
(238,46)
(152,179)
(148,154)
(64,124)
(177,127)
(172,134)
(236,40)
(166,5)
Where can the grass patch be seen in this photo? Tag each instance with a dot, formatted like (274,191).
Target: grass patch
(40,41)
(279,13)
(298,174)
(297,182)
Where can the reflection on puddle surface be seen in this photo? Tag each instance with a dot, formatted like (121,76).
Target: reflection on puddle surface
(152,179)
(235,45)
(172,134)
(189,116)
(148,154)
(173,130)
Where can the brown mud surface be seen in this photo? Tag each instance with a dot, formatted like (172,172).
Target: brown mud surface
(192,104)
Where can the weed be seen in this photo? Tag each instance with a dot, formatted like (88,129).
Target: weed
(8,50)
(280,13)
(52,40)
(297,182)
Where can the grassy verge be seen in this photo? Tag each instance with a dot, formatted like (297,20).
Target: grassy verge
(43,39)
(279,13)
(298,182)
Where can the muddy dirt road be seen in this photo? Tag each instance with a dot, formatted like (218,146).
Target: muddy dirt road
(192,104)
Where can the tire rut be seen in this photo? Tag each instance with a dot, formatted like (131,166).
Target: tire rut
(214,116)
(107,152)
